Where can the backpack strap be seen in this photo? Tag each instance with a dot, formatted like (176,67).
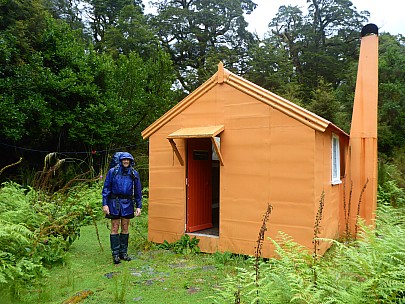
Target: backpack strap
(116,169)
(133,176)
(132,171)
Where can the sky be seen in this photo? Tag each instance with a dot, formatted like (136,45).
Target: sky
(388,15)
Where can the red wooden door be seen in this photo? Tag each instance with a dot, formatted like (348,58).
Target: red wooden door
(199,184)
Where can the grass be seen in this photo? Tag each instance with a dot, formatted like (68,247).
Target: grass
(154,276)
(370,271)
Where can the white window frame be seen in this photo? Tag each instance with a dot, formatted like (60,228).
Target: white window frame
(335,160)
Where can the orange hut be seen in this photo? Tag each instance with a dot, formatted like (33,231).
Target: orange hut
(230,148)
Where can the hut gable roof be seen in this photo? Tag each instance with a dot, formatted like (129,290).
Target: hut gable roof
(224,76)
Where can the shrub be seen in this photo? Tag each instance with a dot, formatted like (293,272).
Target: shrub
(37,229)
(368,270)
(185,245)
(390,180)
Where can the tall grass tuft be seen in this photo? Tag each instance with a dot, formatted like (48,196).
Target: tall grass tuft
(121,287)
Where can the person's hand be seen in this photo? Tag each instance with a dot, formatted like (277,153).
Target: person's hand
(138,212)
(106,210)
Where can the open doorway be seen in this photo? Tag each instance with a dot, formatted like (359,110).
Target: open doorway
(203,172)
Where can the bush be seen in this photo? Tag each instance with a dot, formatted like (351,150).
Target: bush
(185,245)
(369,270)
(37,229)
(390,180)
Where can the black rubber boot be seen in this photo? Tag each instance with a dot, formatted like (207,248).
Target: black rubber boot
(115,247)
(124,247)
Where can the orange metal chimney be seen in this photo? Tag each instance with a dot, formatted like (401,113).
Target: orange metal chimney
(363,132)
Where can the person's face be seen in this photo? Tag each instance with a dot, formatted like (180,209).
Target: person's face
(125,162)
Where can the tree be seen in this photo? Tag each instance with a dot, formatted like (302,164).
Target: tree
(332,40)
(144,91)
(69,11)
(131,33)
(66,96)
(328,17)
(324,102)
(309,56)
(104,14)
(200,33)
(321,44)
(275,61)
(391,127)
(12,11)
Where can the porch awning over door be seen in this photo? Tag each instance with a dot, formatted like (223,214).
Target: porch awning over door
(197,132)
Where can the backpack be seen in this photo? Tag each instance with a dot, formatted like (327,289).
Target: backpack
(115,160)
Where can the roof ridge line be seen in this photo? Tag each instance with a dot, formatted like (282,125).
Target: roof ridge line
(293,110)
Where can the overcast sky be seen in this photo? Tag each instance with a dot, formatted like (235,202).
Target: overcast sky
(388,15)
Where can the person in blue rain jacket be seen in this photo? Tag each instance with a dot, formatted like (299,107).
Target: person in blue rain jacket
(122,201)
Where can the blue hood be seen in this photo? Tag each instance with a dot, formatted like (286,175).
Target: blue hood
(126,155)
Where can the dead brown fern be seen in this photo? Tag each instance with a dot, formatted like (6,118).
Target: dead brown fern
(78,179)
(347,211)
(358,209)
(11,165)
(78,297)
(93,218)
(51,164)
(347,208)
(259,247)
(55,227)
(317,230)
(58,226)
(317,226)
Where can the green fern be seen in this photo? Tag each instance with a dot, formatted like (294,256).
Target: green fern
(16,267)
(37,230)
(368,270)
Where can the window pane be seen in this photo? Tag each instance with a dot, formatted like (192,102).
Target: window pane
(335,159)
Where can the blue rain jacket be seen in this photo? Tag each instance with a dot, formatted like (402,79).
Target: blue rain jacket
(122,188)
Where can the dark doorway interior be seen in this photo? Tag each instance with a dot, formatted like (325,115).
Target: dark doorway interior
(215,197)
(213,206)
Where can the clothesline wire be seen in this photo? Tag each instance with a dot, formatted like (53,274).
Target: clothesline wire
(67,152)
